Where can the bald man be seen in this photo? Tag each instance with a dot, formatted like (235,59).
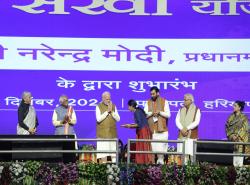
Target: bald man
(187,121)
(27,119)
(64,118)
(106,117)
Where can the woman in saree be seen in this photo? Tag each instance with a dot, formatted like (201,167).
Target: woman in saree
(237,130)
(142,132)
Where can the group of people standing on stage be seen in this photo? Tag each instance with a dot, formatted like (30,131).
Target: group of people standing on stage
(151,122)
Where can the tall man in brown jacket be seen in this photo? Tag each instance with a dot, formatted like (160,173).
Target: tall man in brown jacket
(106,117)
(158,112)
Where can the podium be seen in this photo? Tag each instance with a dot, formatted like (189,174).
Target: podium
(38,145)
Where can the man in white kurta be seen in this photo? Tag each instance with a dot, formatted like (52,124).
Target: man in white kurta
(187,121)
(106,118)
(158,112)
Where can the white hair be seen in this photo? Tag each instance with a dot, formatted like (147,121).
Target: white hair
(26,94)
(106,93)
(62,98)
(190,96)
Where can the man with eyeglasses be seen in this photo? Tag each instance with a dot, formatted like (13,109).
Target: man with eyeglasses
(106,118)
(64,117)
(27,118)
(187,121)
